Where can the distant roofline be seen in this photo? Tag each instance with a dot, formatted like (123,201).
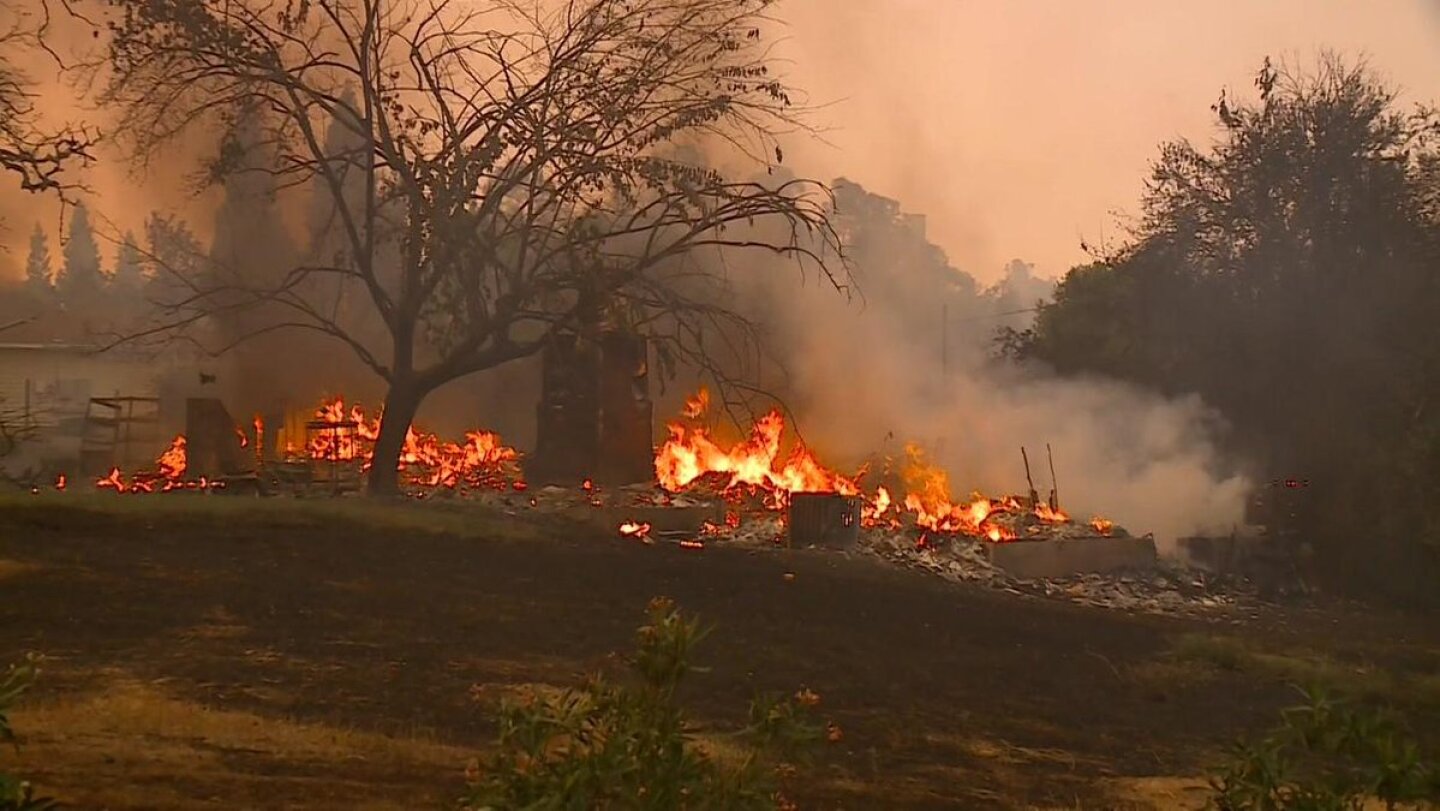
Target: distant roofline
(55,346)
(58,346)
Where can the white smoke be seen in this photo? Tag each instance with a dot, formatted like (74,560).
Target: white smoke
(868,376)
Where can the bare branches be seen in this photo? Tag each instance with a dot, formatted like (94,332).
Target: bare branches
(518,164)
(39,158)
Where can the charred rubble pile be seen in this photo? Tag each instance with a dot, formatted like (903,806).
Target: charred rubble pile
(694,490)
(713,516)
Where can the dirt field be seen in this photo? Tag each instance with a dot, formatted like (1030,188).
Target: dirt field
(209,652)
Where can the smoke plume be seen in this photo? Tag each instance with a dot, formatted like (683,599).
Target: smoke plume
(871,373)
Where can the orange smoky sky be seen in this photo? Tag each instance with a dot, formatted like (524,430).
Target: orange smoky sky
(1018,127)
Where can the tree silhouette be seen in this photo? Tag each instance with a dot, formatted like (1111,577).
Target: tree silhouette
(38,274)
(520,176)
(1287,275)
(79,281)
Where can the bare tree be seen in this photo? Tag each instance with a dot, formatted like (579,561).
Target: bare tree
(39,158)
(520,165)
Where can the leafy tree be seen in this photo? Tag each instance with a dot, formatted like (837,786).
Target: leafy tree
(1287,274)
(37,267)
(175,256)
(520,176)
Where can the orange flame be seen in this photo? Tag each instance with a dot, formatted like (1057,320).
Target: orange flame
(696,406)
(756,465)
(1102,525)
(172,461)
(60,482)
(483,459)
(753,463)
(1044,513)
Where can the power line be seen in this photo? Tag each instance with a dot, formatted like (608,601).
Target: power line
(997,315)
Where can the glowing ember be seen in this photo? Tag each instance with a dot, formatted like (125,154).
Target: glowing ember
(60,482)
(635,529)
(1102,525)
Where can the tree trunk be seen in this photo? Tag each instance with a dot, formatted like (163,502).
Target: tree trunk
(401,403)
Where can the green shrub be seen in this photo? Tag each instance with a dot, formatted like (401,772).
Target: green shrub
(17,794)
(628,746)
(1328,756)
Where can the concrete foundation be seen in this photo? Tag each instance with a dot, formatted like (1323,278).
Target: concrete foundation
(1065,557)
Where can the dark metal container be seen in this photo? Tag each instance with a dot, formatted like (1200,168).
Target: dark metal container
(824,519)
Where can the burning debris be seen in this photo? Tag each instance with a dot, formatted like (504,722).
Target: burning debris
(337,436)
(752,493)
(754,472)
(169,474)
(482,461)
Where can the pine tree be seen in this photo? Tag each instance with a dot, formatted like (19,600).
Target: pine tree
(251,243)
(37,265)
(177,257)
(345,148)
(79,280)
(129,274)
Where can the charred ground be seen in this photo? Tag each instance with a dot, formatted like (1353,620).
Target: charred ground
(323,654)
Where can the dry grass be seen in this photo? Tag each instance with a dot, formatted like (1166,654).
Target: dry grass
(451,517)
(1177,793)
(134,746)
(1196,657)
(13,568)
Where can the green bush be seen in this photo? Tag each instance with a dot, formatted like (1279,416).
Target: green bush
(1328,756)
(628,746)
(17,794)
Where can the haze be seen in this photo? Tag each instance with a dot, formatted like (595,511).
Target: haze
(1017,128)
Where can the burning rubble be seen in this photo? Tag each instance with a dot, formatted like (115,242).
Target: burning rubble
(754,472)
(339,436)
(738,493)
(481,461)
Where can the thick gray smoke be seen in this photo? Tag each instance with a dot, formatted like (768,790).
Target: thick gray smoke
(871,375)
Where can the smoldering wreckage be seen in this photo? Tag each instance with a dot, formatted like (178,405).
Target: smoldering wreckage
(595,462)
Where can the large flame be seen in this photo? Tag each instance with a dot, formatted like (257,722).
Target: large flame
(483,459)
(756,463)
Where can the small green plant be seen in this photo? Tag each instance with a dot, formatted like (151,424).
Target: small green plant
(1327,755)
(628,746)
(17,794)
